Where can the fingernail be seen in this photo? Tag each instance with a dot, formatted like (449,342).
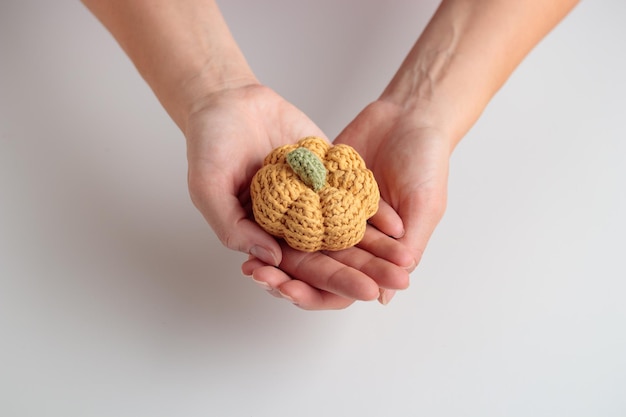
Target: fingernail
(288,298)
(274,293)
(386,295)
(263,285)
(413,265)
(263,254)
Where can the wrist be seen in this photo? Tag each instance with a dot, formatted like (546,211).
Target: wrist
(465,54)
(183,49)
(206,64)
(432,105)
(441,86)
(197,88)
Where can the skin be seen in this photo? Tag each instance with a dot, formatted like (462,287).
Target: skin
(185,52)
(465,54)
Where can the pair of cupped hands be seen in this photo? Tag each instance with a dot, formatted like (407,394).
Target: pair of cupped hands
(232,131)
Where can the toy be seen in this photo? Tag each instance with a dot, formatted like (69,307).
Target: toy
(314,195)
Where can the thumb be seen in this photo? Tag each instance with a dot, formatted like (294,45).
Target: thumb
(230,222)
(421,212)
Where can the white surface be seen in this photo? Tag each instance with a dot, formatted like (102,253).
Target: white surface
(116,299)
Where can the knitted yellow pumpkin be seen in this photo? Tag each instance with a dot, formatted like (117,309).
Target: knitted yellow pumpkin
(314,195)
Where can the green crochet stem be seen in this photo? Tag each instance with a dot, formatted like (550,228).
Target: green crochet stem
(308,166)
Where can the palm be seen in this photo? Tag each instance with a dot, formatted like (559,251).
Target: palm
(232,134)
(410,162)
(227,140)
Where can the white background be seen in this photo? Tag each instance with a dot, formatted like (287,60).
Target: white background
(117,300)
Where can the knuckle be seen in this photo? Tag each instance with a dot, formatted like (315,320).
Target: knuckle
(228,239)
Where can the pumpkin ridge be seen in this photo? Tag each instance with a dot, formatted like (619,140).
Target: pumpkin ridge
(303,222)
(333,217)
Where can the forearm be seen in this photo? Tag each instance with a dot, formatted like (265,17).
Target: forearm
(183,48)
(465,54)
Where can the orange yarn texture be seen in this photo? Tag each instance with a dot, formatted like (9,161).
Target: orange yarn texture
(332,218)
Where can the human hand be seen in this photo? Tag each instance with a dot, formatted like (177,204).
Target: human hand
(331,280)
(409,157)
(228,136)
(239,122)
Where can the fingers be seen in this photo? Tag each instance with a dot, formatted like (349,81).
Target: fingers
(382,246)
(299,293)
(331,280)
(383,273)
(387,220)
(230,222)
(309,298)
(326,273)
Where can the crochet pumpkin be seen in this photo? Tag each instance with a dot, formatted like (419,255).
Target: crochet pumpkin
(314,195)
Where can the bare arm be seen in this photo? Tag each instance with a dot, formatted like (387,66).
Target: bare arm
(468,50)
(465,54)
(186,53)
(183,49)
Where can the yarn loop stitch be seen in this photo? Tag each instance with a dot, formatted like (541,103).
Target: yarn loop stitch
(314,195)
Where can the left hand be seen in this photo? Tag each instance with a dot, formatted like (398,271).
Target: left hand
(409,156)
(331,280)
